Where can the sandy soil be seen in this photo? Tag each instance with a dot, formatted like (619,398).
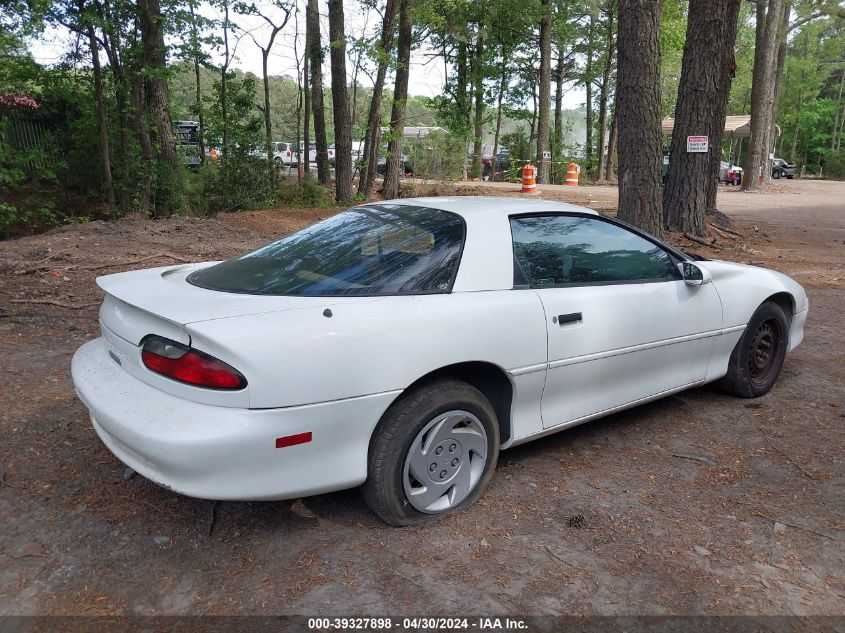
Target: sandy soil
(697,504)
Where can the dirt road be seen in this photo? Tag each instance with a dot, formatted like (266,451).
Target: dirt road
(697,504)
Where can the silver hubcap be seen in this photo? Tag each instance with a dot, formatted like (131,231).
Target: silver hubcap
(445,462)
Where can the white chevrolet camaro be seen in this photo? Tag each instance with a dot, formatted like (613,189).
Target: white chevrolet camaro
(399,346)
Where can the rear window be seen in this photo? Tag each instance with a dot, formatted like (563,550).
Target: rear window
(372,250)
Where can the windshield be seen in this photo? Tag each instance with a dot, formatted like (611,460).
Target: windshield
(374,250)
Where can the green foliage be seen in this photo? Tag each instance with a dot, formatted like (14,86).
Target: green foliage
(517,144)
(836,165)
(307,193)
(438,156)
(237,182)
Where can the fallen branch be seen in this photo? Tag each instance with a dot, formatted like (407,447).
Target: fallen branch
(138,261)
(724,229)
(785,456)
(61,304)
(696,458)
(698,240)
(797,527)
(212,519)
(129,262)
(724,235)
(556,557)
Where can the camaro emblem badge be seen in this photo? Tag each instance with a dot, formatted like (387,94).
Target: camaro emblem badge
(115,357)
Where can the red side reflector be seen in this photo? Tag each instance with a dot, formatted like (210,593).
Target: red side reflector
(293,440)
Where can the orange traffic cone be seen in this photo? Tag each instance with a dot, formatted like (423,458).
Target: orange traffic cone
(572,172)
(529,179)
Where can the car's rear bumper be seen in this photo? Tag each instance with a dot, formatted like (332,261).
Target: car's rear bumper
(214,452)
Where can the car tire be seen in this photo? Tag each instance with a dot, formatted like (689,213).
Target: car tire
(427,423)
(776,175)
(758,357)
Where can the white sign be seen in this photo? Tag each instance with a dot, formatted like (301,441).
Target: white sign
(698,144)
(547,155)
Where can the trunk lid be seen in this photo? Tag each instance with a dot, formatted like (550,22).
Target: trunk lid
(140,301)
(160,301)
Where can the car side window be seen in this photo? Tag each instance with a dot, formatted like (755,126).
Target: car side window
(559,250)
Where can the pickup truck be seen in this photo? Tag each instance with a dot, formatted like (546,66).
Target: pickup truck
(780,168)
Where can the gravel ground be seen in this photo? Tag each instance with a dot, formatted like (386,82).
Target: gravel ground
(697,504)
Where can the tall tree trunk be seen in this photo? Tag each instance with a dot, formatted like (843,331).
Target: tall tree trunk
(780,63)
(839,122)
(558,137)
(400,95)
(762,91)
(588,88)
(700,111)
(268,123)
(125,122)
(306,107)
(102,120)
(461,79)
(224,75)
(532,131)
(200,112)
(797,128)
(609,171)
(198,82)
(370,154)
(545,92)
(340,104)
(638,110)
(312,29)
(157,107)
(503,81)
(603,90)
(139,122)
(478,89)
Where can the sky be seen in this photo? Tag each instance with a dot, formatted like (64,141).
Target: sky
(427,75)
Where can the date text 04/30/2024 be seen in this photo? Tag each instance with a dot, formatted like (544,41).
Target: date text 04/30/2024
(416,623)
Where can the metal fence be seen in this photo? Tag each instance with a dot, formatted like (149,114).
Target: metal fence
(24,139)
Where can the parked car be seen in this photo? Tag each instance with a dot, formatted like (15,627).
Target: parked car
(407,167)
(782,169)
(730,174)
(282,153)
(399,346)
(495,166)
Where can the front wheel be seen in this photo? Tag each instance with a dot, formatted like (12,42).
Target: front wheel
(776,175)
(758,357)
(434,452)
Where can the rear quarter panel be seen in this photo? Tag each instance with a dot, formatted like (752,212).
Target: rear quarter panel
(301,356)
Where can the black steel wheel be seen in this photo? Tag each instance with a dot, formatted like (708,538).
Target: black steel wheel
(758,357)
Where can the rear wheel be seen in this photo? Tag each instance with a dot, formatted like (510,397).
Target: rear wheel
(434,452)
(758,357)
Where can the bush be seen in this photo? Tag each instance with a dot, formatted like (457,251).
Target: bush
(234,183)
(307,193)
(438,156)
(835,167)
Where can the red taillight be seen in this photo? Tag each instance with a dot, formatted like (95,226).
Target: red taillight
(184,364)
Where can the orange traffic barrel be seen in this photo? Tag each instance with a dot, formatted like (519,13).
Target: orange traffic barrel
(529,179)
(572,172)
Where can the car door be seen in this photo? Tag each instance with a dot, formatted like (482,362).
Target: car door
(622,324)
